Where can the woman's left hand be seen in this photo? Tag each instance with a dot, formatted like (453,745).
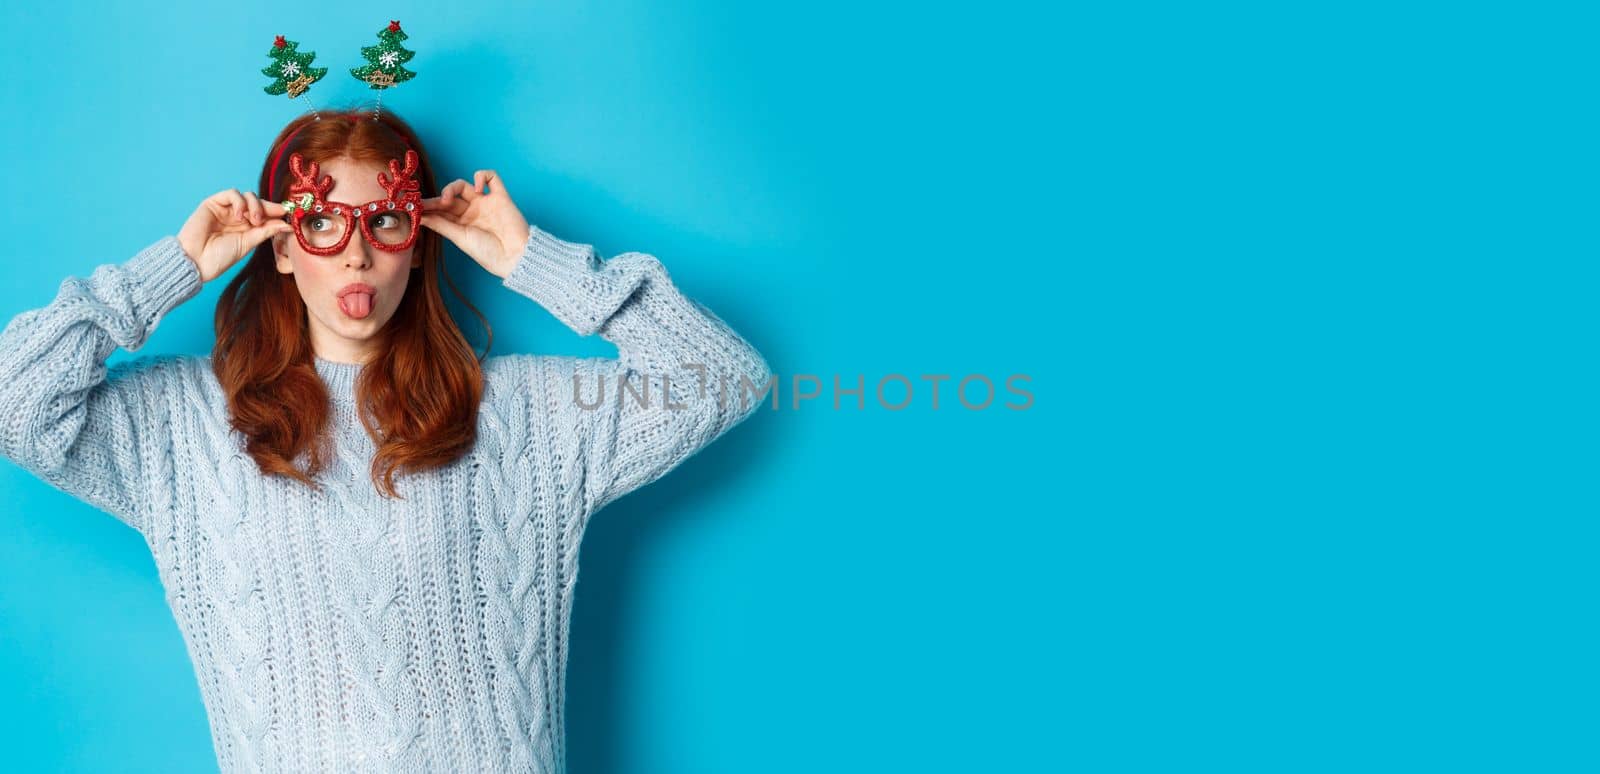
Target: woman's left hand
(488,227)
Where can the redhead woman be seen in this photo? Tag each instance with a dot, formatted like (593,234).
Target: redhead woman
(367,533)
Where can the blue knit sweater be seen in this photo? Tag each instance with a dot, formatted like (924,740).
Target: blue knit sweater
(342,630)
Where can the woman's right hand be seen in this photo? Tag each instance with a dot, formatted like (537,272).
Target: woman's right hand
(226,227)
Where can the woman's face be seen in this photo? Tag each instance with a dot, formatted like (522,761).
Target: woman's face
(342,326)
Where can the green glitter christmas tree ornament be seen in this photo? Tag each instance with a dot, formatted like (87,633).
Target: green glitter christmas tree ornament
(383,68)
(291,70)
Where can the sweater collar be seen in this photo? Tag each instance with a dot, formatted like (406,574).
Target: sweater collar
(340,378)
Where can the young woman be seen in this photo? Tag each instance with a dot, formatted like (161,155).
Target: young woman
(368,537)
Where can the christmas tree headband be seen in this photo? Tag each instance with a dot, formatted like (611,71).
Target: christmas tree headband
(292,73)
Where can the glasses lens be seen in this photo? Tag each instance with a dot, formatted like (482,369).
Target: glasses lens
(390,227)
(322,229)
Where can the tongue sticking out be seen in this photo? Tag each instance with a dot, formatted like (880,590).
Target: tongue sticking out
(357,305)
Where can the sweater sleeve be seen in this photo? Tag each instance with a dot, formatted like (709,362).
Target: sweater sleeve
(689,376)
(68,419)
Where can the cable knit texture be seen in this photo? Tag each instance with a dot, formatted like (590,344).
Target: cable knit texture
(340,630)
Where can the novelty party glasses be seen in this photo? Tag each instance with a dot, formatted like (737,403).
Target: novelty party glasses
(324,227)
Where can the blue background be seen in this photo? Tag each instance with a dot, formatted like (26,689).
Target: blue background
(1305,295)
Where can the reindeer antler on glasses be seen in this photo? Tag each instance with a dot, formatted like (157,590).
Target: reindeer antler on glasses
(398,181)
(306,183)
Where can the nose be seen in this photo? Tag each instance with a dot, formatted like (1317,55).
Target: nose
(356,254)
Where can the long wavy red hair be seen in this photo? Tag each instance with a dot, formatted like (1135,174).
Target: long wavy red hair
(418,396)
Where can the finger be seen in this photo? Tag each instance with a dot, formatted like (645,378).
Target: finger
(233,205)
(487,181)
(451,191)
(449,229)
(437,205)
(219,206)
(253,208)
(497,184)
(258,234)
(452,210)
(273,209)
(223,197)
(468,192)
(240,207)
(446,201)
(440,215)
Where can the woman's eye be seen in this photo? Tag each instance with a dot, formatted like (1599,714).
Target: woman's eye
(387,220)
(319,223)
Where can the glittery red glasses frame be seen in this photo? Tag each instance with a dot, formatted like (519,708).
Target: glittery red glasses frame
(306,199)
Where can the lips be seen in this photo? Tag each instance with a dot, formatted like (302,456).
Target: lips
(355,299)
